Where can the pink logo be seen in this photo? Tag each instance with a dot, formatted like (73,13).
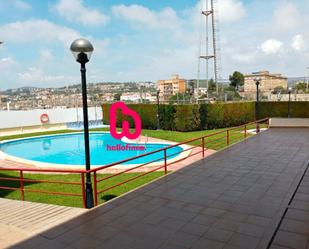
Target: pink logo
(125,124)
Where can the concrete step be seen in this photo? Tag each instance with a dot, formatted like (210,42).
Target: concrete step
(28,219)
(289,122)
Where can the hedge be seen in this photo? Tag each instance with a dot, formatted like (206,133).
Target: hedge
(280,109)
(147,113)
(187,118)
(207,116)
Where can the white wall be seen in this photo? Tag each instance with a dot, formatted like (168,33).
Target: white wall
(11,119)
(294,97)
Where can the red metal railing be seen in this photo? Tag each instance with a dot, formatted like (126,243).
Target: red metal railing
(23,180)
(197,145)
(228,137)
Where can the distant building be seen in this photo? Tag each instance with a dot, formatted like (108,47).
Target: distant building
(268,82)
(132,97)
(171,87)
(136,97)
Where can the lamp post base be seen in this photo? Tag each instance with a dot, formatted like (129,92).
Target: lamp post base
(89,195)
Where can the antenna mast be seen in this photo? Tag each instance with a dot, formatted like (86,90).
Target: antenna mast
(211,51)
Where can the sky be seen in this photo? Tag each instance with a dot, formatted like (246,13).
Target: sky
(146,40)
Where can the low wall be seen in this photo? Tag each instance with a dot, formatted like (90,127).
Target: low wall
(289,122)
(32,129)
(14,119)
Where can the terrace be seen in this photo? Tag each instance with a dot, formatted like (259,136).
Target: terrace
(249,195)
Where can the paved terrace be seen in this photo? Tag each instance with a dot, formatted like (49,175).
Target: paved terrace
(236,198)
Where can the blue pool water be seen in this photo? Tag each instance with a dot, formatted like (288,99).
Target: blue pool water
(69,149)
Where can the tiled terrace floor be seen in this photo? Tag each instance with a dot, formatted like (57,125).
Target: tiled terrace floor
(233,199)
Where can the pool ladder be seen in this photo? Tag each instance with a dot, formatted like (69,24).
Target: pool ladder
(138,140)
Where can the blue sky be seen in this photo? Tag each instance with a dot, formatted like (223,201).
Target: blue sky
(146,39)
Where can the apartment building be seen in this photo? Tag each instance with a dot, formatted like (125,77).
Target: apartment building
(268,82)
(171,86)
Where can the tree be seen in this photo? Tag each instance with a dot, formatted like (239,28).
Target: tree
(117,97)
(302,86)
(237,79)
(211,85)
(278,89)
(180,98)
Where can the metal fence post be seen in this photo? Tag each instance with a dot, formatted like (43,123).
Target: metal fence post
(95,188)
(21,185)
(257,127)
(165,162)
(203,146)
(245,131)
(227,137)
(83,189)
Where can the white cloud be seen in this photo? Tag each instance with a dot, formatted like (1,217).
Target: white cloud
(165,19)
(7,62)
(271,46)
(249,57)
(76,11)
(231,10)
(37,76)
(298,43)
(287,17)
(37,31)
(227,11)
(46,55)
(22,5)
(101,46)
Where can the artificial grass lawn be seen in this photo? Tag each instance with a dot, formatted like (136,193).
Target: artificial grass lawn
(220,143)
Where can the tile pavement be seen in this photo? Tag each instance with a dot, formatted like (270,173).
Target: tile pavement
(232,199)
(294,230)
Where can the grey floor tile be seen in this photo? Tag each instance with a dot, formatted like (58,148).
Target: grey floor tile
(291,240)
(204,243)
(218,235)
(243,241)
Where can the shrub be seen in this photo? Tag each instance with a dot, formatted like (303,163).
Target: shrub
(105,110)
(215,116)
(300,109)
(167,117)
(148,114)
(280,109)
(207,116)
(238,113)
(187,117)
(203,116)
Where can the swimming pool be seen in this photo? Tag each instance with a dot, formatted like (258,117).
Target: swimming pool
(68,149)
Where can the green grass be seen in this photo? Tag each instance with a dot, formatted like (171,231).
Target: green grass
(73,201)
(220,143)
(43,133)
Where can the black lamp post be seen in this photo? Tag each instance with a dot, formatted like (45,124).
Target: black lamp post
(158,111)
(191,95)
(257,103)
(82,50)
(289,103)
